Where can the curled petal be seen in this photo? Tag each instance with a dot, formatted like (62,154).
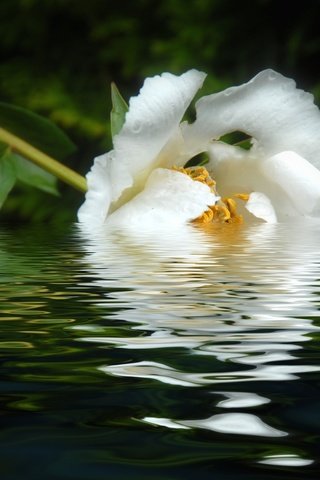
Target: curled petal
(95,208)
(169,198)
(261,207)
(153,117)
(105,180)
(236,170)
(298,178)
(268,108)
(290,182)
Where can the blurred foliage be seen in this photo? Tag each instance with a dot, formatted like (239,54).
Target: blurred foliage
(36,130)
(58,58)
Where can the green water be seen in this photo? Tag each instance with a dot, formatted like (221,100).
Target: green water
(160,355)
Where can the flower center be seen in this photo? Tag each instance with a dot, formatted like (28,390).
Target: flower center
(198,174)
(225,210)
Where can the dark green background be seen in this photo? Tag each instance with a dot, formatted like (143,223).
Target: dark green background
(59,57)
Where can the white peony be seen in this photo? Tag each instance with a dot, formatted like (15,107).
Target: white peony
(137,183)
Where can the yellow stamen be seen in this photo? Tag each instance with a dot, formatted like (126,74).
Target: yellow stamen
(206,217)
(224,211)
(231,205)
(242,196)
(198,174)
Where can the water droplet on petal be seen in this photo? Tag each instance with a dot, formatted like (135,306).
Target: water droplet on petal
(137,126)
(246,126)
(272,76)
(227,116)
(229,91)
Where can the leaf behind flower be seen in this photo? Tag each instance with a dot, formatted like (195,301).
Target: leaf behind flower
(119,110)
(7,177)
(36,130)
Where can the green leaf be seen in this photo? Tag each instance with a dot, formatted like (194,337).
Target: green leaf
(36,130)
(119,110)
(7,177)
(30,174)
(3,149)
(198,161)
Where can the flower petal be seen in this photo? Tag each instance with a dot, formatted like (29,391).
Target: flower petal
(269,108)
(290,182)
(106,179)
(298,178)
(233,168)
(239,171)
(153,118)
(98,196)
(261,207)
(169,198)
(152,121)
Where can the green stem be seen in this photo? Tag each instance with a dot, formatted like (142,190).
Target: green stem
(44,161)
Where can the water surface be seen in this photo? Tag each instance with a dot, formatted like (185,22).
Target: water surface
(163,355)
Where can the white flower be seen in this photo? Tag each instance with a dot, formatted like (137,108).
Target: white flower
(135,182)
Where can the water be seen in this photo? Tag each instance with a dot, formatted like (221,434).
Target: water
(163,355)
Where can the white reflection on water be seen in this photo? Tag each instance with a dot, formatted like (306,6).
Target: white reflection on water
(242,294)
(164,373)
(241,400)
(246,295)
(236,423)
(286,460)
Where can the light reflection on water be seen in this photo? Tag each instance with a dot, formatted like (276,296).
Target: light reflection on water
(246,296)
(223,318)
(239,423)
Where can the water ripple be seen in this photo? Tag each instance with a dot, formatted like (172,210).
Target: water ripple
(239,305)
(235,423)
(191,340)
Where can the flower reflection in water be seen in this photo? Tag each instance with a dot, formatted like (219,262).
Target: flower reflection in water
(245,296)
